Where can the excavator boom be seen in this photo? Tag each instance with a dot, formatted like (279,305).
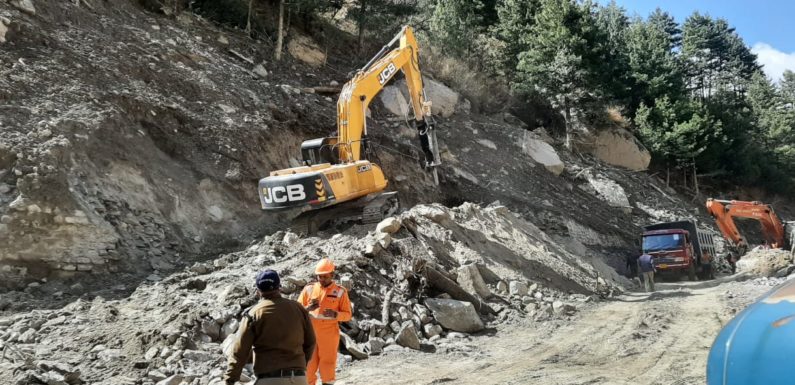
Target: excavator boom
(724,212)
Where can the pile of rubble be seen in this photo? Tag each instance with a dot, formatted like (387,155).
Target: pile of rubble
(762,262)
(430,279)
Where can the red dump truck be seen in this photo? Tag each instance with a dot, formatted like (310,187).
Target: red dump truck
(680,248)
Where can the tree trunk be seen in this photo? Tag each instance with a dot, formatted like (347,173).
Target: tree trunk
(248,19)
(567,115)
(440,282)
(280,33)
(684,175)
(695,176)
(668,176)
(362,11)
(287,24)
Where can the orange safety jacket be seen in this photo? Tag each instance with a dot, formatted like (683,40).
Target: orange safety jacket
(332,297)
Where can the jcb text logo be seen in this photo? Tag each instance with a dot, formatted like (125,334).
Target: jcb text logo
(281,194)
(387,73)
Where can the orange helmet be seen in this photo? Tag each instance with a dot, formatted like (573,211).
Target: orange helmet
(325,266)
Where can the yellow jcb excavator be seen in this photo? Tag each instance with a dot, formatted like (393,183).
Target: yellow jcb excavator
(335,172)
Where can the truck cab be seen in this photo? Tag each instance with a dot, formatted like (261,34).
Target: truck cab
(679,248)
(671,250)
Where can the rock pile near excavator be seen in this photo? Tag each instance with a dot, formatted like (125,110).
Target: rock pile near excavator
(430,279)
(762,262)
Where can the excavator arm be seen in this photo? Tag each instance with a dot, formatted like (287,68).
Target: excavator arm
(360,91)
(725,211)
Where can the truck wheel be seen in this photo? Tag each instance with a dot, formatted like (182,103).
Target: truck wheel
(691,272)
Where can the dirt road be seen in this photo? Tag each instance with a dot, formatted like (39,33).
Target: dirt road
(662,338)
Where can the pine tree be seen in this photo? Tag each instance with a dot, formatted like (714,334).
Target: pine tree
(653,64)
(516,19)
(553,65)
(455,25)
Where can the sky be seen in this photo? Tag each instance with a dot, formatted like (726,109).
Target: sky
(765,25)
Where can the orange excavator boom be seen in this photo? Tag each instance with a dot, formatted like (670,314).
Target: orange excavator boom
(724,212)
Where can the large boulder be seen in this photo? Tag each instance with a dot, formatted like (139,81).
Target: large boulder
(470,279)
(3,30)
(435,213)
(407,336)
(394,101)
(455,315)
(542,152)
(443,99)
(306,50)
(389,225)
(621,148)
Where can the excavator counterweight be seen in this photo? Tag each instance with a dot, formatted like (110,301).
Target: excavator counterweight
(337,182)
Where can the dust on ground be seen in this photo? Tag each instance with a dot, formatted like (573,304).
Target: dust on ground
(637,338)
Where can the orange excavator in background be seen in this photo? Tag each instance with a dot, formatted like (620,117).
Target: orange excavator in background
(337,182)
(774,229)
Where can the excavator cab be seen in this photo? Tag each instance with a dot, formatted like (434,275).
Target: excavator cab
(320,150)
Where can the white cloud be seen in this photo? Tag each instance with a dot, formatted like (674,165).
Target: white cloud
(773,60)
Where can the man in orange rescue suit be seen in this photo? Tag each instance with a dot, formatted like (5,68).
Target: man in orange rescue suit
(328,305)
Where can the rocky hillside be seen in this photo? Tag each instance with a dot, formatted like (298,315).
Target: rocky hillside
(131,142)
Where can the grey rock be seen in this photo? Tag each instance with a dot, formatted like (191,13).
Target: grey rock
(66,373)
(559,307)
(200,268)
(211,328)
(352,347)
(110,355)
(28,337)
(389,225)
(199,356)
(432,330)
(260,71)
(51,378)
(518,288)
(375,346)
(173,380)
(502,287)
(156,375)
(404,313)
(55,321)
(394,348)
(395,326)
(151,353)
(455,315)
(470,279)
(25,6)
(229,328)
(407,336)
(433,212)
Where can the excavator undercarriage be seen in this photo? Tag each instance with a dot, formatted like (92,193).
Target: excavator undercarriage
(372,208)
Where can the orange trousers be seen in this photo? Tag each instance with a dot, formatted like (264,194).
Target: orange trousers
(324,359)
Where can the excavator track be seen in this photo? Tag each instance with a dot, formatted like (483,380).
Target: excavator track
(372,208)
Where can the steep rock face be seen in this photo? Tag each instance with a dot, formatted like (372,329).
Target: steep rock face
(112,160)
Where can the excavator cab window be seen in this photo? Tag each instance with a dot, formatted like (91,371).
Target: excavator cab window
(320,150)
